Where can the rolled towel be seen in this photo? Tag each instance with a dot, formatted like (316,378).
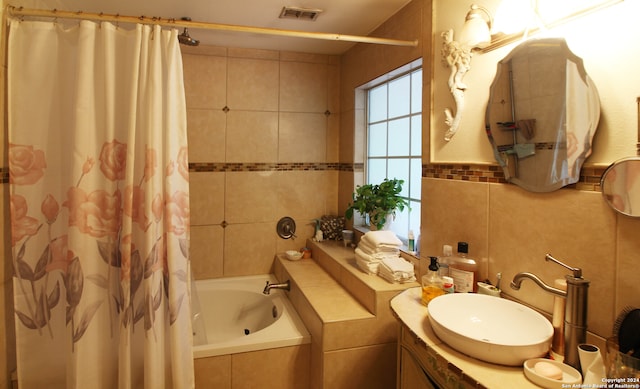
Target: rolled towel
(382,237)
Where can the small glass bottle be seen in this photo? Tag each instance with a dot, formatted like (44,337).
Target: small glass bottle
(443,263)
(431,283)
(411,244)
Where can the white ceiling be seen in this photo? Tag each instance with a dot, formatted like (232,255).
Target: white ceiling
(352,17)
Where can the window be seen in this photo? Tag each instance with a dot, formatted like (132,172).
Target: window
(394,142)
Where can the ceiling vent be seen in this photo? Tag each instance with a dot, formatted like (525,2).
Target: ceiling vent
(310,14)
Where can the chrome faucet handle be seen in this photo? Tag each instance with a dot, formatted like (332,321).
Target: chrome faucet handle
(577,272)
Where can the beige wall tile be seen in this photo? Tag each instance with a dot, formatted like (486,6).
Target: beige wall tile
(205,81)
(206,135)
(251,197)
(304,195)
(252,136)
(372,367)
(333,74)
(206,251)
(249,248)
(240,52)
(454,211)
(213,372)
(253,84)
(303,137)
(346,137)
(282,368)
(627,282)
(303,87)
(206,196)
(293,56)
(576,227)
(333,137)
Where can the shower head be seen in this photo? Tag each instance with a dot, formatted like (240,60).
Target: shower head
(185,38)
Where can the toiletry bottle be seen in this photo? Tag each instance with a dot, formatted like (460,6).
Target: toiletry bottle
(447,284)
(463,270)
(447,251)
(431,283)
(411,242)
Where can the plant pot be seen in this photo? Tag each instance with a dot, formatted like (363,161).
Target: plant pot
(374,227)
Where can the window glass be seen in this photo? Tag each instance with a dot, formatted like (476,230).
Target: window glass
(378,104)
(399,96)
(378,140)
(399,136)
(394,136)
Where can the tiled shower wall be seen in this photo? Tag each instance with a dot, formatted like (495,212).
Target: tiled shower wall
(263,133)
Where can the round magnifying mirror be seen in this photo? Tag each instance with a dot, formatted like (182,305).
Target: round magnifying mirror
(620,186)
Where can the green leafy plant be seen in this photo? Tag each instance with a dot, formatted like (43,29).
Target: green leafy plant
(378,201)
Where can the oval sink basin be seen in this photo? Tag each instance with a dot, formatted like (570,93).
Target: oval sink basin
(489,328)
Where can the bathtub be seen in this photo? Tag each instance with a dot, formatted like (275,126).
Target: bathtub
(232,315)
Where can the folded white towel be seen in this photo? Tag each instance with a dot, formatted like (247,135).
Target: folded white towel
(370,249)
(395,278)
(382,237)
(396,270)
(367,266)
(376,256)
(397,264)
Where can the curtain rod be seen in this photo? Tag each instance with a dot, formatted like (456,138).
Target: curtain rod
(55,13)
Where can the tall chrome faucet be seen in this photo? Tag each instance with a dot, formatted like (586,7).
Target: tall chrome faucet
(575,311)
(285,286)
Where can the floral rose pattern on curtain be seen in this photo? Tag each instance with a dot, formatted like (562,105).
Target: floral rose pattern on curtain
(99,191)
(97,214)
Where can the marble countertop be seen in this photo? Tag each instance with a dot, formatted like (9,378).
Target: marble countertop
(407,308)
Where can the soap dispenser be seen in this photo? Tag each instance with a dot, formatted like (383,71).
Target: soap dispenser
(431,283)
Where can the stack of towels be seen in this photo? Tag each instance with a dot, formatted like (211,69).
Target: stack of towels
(378,252)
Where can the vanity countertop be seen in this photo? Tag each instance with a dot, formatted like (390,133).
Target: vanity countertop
(414,316)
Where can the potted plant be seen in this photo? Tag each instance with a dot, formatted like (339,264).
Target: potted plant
(378,201)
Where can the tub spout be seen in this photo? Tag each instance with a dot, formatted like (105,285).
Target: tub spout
(284,286)
(575,313)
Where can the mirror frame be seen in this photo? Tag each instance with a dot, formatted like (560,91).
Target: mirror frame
(608,195)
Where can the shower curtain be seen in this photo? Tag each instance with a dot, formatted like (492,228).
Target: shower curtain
(99,206)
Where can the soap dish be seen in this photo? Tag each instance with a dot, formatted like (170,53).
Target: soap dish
(570,375)
(293,255)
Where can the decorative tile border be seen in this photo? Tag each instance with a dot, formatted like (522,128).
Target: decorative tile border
(262,167)
(589,176)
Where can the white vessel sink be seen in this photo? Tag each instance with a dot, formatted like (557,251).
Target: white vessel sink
(489,328)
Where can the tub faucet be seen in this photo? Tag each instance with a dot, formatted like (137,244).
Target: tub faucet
(575,311)
(285,286)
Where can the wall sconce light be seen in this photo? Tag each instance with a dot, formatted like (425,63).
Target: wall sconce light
(457,56)
(476,32)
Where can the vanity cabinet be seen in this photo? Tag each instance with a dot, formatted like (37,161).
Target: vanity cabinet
(418,368)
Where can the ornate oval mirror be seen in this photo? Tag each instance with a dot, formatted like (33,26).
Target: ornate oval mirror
(620,186)
(542,114)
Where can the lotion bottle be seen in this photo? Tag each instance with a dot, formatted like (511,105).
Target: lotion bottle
(463,270)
